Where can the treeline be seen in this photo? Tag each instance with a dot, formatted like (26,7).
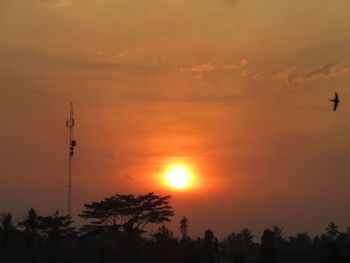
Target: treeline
(116,231)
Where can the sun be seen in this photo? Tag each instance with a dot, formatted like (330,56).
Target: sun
(178,176)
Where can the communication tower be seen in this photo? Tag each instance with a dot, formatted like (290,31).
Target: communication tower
(70,123)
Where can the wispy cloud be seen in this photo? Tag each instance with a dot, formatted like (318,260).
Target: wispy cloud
(159,59)
(203,67)
(122,54)
(293,76)
(322,72)
(208,67)
(256,76)
(198,76)
(245,73)
(243,62)
(199,69)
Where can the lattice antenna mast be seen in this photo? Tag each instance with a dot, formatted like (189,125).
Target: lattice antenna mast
(72,143)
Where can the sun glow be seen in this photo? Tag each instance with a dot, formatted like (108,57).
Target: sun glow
(178,176)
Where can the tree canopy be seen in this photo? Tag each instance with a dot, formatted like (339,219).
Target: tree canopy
(128,212)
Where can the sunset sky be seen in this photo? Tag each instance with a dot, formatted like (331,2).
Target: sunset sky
(237,90)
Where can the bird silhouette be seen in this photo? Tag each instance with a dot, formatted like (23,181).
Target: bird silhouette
(336,101)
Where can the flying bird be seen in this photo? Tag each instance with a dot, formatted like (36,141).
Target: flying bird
(336,101)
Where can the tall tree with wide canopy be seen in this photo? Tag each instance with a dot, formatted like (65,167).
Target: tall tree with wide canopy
(128,213)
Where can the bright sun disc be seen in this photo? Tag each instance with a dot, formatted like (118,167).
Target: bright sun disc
(178,176)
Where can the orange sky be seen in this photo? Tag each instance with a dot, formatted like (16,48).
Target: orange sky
(238,89)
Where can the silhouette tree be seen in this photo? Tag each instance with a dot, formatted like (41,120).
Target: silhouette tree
(166,247)
(55,228)
(162,234)
(7,229)
(189,248)
(301,245)
(332,231)
(31,226)
(236,248)
(124,218)
(281,244)
(239,245)
(209,249)
(184,228)
(128,213)
(278,232)
(347,231)
(329,246)
(247,237)
(267,247)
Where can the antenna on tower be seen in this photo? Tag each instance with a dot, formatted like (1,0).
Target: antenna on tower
(72,143)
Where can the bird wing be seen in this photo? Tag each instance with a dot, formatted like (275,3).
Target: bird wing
(335,106)
(336,96)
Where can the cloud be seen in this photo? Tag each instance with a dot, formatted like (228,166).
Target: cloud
(112,54)
(199,69)
(256,76)
(203,67)
(122,54)
(243,62)
(245,73)
(286,76)
(159,59)
(198,76)
(236,66)
(231,67)
(208,67)
(294,77)
(322,72)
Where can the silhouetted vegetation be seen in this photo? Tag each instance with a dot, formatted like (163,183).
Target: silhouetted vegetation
(116,231)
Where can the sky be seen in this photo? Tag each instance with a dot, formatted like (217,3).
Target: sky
(238,90)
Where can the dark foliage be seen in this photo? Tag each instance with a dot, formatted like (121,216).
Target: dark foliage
(117,232)
(184,228)
(127,213)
